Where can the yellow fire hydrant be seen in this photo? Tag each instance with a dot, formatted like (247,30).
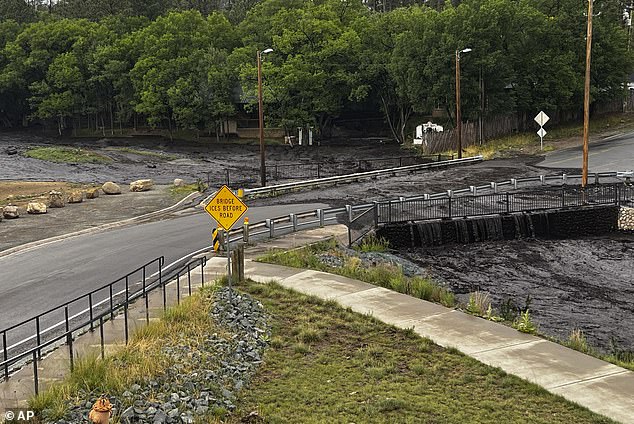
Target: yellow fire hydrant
(101,410)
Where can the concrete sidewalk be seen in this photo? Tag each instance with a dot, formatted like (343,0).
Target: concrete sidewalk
(598,385)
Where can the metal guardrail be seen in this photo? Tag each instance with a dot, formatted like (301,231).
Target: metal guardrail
(292,171)
(357,176)
(118,296)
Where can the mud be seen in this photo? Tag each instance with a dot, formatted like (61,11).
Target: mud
(581,284)
(164,160)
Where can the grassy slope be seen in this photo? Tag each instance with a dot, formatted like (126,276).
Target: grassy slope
(328,364)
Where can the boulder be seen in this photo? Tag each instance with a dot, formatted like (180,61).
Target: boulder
(111,188)
(11,150)
(76,196)
(56,199)
(36,208)
(11,212)
(92,193)
(141,185)
(179,182)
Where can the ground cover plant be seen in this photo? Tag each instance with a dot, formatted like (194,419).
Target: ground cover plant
(327,257)
(66,155)
(329,364)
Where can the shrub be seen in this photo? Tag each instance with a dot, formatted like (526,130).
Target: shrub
(525,324)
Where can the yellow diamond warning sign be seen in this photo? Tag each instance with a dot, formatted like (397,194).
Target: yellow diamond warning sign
(226,208)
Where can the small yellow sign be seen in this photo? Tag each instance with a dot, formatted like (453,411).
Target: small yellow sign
(226,208)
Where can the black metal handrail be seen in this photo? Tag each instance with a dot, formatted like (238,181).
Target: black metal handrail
(116,302)
(499,203)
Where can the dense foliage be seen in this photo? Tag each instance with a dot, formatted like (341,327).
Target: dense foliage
(191,64)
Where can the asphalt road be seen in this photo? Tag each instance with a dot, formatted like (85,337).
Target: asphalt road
(614,153)
(38,279)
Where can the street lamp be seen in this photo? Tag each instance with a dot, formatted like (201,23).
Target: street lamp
(261,118)
(458,118)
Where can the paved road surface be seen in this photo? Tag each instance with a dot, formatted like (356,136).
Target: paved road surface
(610,154)
(36,280)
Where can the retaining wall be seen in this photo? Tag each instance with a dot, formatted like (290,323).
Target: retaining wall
(556,224)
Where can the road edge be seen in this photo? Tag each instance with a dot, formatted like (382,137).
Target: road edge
(35,244)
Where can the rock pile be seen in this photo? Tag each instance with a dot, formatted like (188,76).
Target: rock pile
(626,218)
(206,376)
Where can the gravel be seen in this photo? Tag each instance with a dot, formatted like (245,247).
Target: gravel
(206,376)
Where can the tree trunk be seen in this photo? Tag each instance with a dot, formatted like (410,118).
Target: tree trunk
(111,120)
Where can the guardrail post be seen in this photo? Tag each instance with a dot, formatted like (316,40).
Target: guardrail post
(69,338)
(596,178)
(563,197)
(6,355)
(35,376)
(320,217)
(293,219)
(349,212)
(318,170)
(564,179)
(103,350)
(37,329)
(271,226)
(375,206)
(473,190)
(111,303)
(245,231)
(92,326)
(542,179)
(494,186)
(450,196)
(514,182)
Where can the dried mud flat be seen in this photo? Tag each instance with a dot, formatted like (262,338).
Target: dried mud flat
(584,284)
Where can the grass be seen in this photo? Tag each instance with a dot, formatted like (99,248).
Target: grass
(354,368)
(184,190)
(155,155)
(66,155)
(373,244)
(528,143)
(381,274)
(141,359)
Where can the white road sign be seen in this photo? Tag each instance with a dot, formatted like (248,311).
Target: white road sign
(542,132)
(542,118)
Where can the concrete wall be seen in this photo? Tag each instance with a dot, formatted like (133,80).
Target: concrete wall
(552,224)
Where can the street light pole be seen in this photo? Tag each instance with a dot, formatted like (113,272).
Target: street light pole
(586,98)
(458,117)
(261,119)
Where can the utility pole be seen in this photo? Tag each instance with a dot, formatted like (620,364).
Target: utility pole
(586,98)
(458,117)
(261,119)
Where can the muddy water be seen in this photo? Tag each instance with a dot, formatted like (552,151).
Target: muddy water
(573,284)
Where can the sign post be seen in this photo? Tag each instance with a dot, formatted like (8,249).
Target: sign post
(226,208)
(541,120)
